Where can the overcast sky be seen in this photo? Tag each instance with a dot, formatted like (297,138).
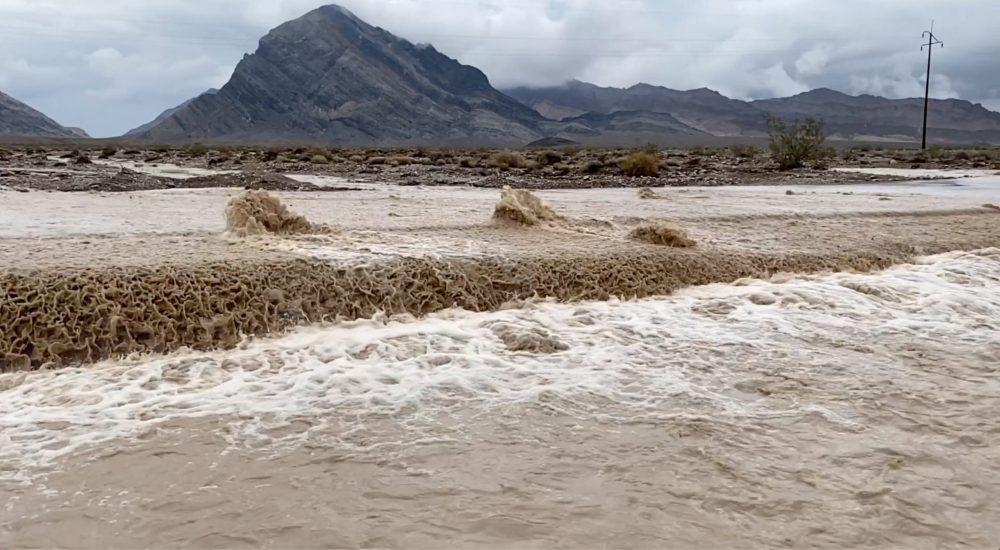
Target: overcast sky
(110,65)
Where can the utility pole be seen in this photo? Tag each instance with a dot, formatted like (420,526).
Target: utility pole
(931,42)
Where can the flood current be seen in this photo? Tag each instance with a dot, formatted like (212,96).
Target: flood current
(837,410)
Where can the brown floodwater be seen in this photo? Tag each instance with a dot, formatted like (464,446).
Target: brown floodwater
(832,410)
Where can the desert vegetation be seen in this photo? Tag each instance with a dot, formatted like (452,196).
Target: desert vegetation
(641,163)
(793,145)
(557,167)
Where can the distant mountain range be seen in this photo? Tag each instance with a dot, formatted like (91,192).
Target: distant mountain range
(703,111)
(330,77)
(17,119)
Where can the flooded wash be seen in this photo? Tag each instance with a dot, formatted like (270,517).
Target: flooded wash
(836,410)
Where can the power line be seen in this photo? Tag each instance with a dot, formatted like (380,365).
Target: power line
(931,42)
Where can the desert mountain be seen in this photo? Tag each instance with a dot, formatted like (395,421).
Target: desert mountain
(328,76)
(17,119)
(863,117)
(868,116)
(704,111)
(166,114)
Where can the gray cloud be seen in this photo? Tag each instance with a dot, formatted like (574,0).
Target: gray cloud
(111,65)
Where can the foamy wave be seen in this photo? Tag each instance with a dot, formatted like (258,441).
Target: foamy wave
(746,349)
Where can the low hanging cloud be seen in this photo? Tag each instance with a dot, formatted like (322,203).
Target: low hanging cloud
(109,66)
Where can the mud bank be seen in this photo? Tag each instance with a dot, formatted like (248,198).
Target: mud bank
(56,319)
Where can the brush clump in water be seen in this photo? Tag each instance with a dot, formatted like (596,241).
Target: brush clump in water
(257,212)
(647,193)
(522,207)
(662,234)
(531,340)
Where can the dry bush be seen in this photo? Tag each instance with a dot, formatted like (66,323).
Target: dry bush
(641,163)
(507,159)
(647,193)
(546,158)
(257,212)
(196,150)
(744,151)
(522,207)
(662,234)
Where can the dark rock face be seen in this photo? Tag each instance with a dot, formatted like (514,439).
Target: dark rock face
(848,116)
(17,119)
(139,130)
(328,76)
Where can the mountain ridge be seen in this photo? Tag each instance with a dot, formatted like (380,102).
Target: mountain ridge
(17,119)
(329,76)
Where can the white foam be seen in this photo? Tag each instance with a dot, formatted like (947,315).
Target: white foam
(332,181)
(163,169)
(922,173)
(703,345)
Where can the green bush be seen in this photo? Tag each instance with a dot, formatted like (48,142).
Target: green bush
(641,163)
(793,146)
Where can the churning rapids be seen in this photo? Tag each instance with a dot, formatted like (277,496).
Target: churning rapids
(831,410)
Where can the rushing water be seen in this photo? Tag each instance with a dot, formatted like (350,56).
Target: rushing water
(833,410)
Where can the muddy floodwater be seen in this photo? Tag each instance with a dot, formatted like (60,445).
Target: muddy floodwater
(834,410)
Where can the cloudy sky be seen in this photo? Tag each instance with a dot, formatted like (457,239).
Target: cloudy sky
(110,65)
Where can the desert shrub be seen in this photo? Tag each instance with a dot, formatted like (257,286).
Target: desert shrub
(108,152)
(376,160)
(160,147)
(934,152)
(641,163)
(507,159)
(792,146)
(592,167)
(962,155)
(197,150)
(744,151)
(546,158)
(269,155)
(466,162)
(319,159)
